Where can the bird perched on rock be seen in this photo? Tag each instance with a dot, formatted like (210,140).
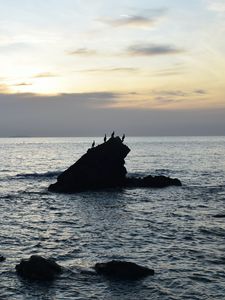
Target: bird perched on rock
(112,135)
(93,144)
(123,137)
(105,138)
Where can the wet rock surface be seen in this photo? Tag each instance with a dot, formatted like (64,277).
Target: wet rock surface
(122,270)
(38,268)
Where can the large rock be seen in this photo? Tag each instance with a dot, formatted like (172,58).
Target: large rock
(38,268)
(122,270)
(101,167)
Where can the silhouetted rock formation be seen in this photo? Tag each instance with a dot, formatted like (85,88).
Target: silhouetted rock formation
(219,216)
(2,258)
(152,181)
(122,270)
(38,268)
(103,167)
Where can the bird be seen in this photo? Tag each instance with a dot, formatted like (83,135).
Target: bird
(112,135)
(93,144)
(123,137)
(105,138)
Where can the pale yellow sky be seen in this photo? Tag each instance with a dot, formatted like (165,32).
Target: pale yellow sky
(138,48)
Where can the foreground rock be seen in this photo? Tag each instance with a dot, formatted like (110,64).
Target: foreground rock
(122,270)
(103,167)
(38,268)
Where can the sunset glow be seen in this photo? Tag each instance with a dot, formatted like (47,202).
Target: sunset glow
(148,55)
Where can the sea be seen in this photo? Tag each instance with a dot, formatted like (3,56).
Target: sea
(177,231)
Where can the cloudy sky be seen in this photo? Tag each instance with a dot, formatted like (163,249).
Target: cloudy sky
(83,67)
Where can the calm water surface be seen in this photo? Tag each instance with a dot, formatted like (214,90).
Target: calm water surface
(171,230)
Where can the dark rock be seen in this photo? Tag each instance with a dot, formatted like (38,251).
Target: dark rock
(2,258)
(38,268)
(152,181)
(101,167)
(122,270)
(219,216)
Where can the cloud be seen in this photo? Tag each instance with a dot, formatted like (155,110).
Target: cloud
(152,50)
(15,47)
(216,5)
(112,70)
(45,75)
(130,21)
(172,93)
(180,93)
(165,100)
(171,71)
(96,98)
(174,96)
(23,84)
(72,115)
(82,52)
(83,99)
(147,20)
(200,91)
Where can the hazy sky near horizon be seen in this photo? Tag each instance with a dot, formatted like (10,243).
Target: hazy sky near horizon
(143,67)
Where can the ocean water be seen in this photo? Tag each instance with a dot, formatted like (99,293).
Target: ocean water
(172,230)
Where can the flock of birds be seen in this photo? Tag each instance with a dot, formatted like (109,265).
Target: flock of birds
(105,138)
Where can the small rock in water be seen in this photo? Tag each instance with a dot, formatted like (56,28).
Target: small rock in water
(122,270)
(38,268)
(219,216)
(2,258)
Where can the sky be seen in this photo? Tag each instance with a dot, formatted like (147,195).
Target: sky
(87,67)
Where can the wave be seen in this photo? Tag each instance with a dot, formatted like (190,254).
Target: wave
(37,175)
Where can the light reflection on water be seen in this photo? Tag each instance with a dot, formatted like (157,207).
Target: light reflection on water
(171,230)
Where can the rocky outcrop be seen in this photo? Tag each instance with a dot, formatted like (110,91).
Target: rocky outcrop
(152,181)
(122,270)
(103,167)
(38,268)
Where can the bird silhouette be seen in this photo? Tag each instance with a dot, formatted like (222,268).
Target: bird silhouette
(93,144)
(112,135)
(123,137)
(105,138)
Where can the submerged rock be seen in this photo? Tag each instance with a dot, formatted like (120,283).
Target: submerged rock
(122,270)
(38,268)
(103,167)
